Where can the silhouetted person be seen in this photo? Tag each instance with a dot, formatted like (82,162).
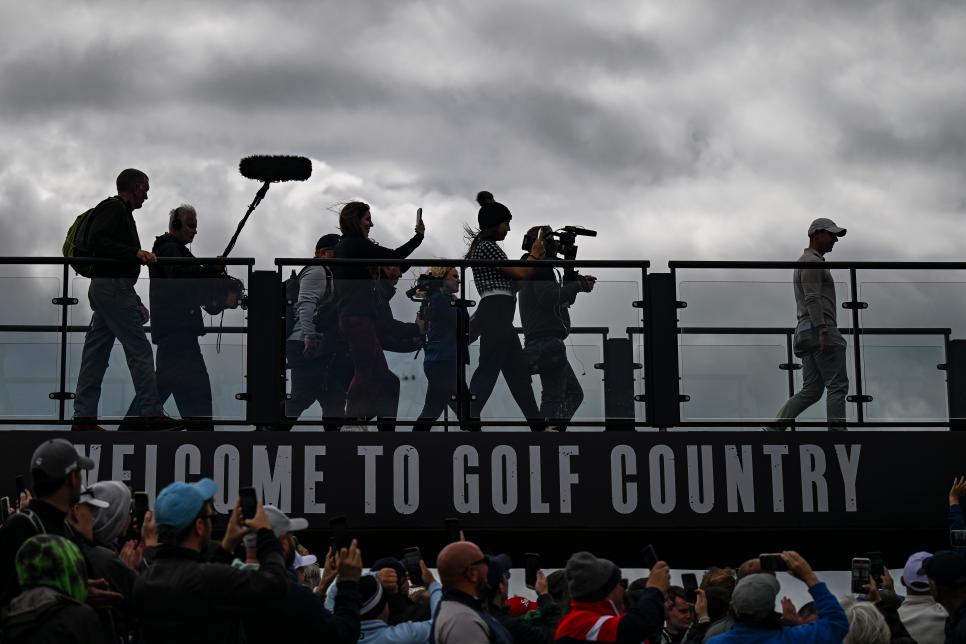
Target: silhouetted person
(817,339)
(118,312)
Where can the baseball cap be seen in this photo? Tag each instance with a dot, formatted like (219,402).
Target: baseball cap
(946,568)
(912,574)
(56,458)
(518,606)
(327,241)
(823,223)
(281,523)
(303,561)
(179,503)
(87,497)
(754,596)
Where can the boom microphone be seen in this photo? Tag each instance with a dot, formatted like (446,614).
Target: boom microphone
(268,169)
(275,168)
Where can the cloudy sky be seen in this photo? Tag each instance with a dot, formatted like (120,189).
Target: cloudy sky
(685,129)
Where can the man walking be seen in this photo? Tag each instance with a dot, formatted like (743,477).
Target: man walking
(118,312)
(177,293)
(817,339)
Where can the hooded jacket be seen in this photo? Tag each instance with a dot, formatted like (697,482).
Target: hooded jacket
(42,615)
(601,621)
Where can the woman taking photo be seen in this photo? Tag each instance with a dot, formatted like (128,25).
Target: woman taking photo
(374,390)
(500,349)
(439,363)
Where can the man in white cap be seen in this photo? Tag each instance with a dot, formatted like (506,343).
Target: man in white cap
(921,614)
(817,339)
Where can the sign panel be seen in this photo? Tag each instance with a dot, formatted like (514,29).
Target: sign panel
(644,480)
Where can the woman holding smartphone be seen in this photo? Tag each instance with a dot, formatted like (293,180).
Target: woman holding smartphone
(374,390)
(500,349)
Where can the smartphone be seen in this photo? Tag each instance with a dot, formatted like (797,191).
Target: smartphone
(531,566)
(411,558)
(249,502)
(453,530)
(957,538)
(419,215)
(690,582)
(649,556)
(4,509)
(861,573)
(339,530)
(141,507)
(876,568)
(772,562)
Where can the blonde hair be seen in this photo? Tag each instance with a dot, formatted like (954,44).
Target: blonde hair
(440,272)
(866,625)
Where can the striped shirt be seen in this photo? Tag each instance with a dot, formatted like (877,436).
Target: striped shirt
(490,280)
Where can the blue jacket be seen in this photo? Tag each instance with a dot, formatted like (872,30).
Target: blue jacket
(831,626)
(376,631)
(441,329)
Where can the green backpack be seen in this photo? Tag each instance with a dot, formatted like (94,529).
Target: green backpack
(75,244)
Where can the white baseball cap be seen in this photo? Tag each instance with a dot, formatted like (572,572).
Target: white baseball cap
(823,223)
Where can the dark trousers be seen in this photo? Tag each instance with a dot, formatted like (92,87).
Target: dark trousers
(374,390)
(323,379)
(181,372)
(562,393)
(500,352)
(441,390)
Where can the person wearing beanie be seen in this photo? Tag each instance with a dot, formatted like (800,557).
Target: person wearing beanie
(182,596)
(374,389)
(50,608)
(597,604)
(500,348)
(315,351)
(756,622)
(375,612)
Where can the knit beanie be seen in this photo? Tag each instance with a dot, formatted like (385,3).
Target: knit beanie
(492,213)
(109,522)
(53,562)
(591,579)
(373,597)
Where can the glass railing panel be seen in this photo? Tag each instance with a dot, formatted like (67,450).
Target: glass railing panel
(737,303)
(904,379)
(729,379)
(28,374)
(904,340)
(173,331)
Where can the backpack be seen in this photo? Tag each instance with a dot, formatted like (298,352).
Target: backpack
(75,244)
(325,316)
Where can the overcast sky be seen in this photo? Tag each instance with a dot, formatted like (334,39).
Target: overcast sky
(684,129)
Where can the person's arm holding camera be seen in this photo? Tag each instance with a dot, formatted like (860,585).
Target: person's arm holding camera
(956,493)
(832,624)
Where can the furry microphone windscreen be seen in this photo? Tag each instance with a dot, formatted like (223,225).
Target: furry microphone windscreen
(276,168)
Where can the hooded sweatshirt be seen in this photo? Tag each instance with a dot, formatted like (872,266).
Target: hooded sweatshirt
(41,615)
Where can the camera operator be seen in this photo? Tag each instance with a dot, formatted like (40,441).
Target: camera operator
(545,302)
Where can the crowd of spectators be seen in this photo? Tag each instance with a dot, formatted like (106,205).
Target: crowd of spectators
(77,565)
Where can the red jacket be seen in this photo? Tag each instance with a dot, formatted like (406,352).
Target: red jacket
(601,621)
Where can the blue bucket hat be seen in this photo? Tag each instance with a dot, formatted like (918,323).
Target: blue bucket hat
(179,503)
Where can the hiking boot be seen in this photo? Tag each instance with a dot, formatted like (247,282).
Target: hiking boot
(86,425)
(150,424)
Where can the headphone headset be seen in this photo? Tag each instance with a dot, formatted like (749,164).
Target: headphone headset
(175,223)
